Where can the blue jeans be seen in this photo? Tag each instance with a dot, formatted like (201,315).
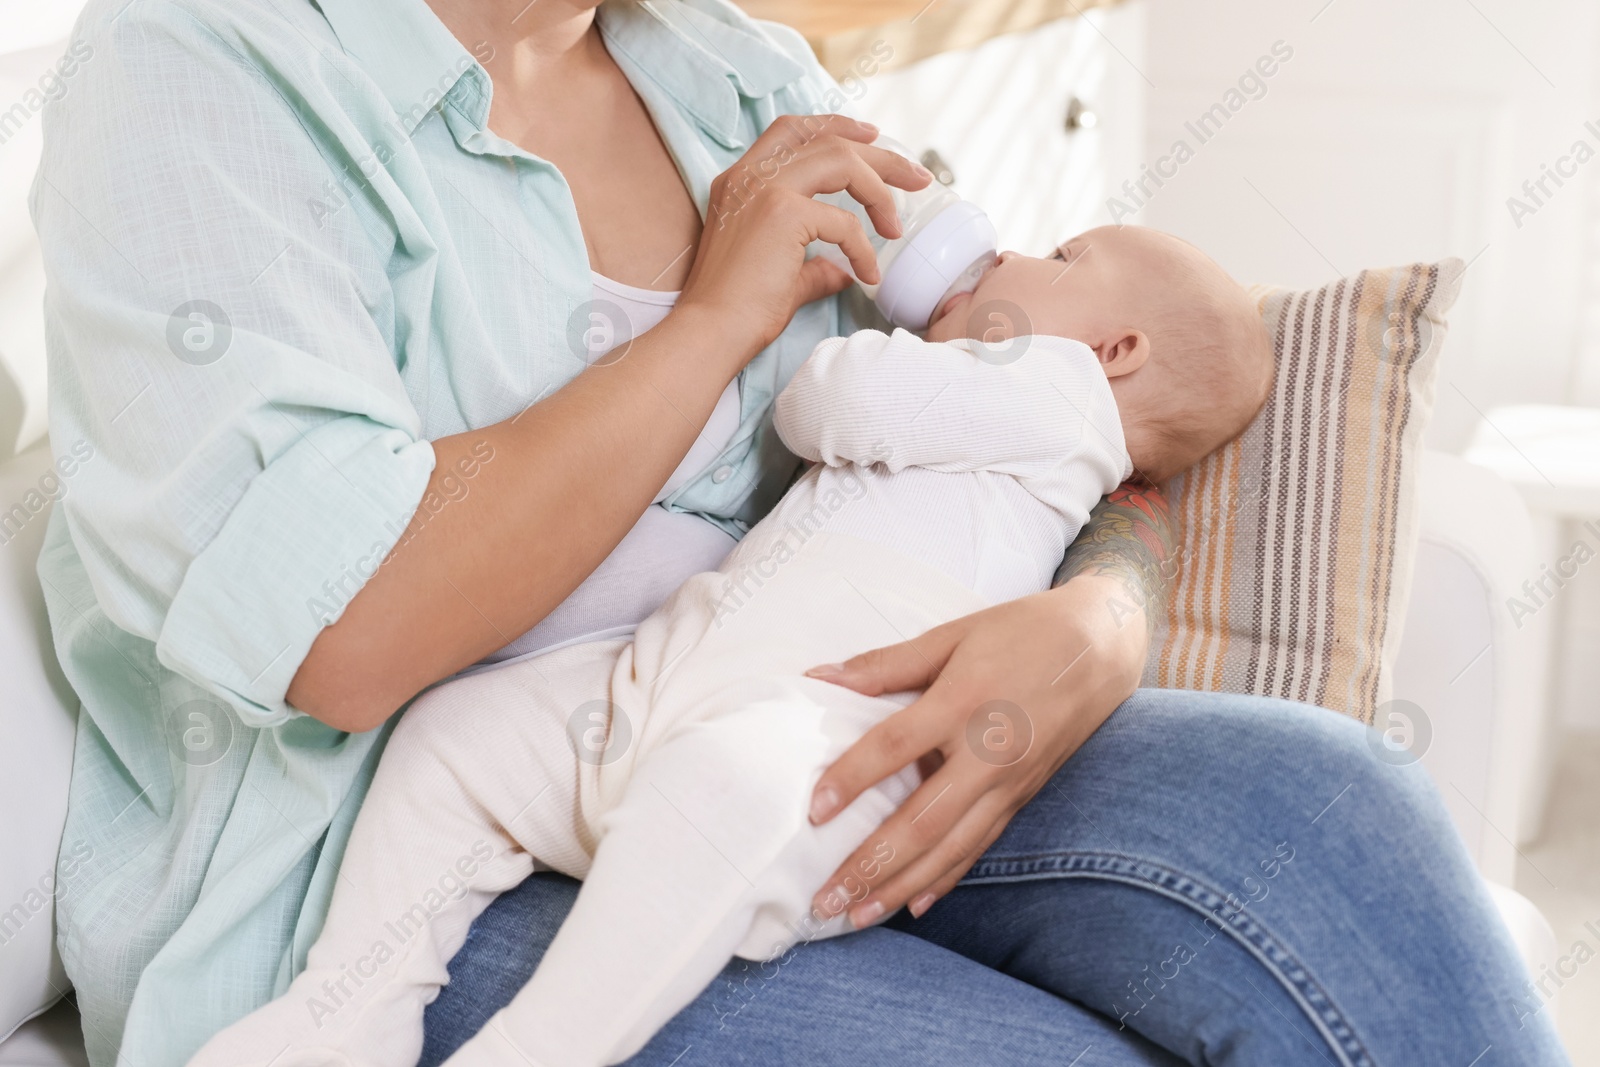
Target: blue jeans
(1211,879)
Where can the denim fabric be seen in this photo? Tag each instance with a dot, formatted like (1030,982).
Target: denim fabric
(1236,880)
(879,997)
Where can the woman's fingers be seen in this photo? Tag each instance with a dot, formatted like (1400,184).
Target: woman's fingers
(924,824)
(834,165)
(864,172)
(792,136)
(902,738)
(892,745)
(894,668)
(750,269)
(869,189)
(796,131)
(937,872)
(829,165)
(836,226)
(990,768)
(919,904)
(819,278)
(811,154)
(895,169)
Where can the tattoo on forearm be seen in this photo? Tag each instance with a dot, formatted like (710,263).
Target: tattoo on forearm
(1130,537)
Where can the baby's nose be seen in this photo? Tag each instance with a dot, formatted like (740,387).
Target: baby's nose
(1007,256)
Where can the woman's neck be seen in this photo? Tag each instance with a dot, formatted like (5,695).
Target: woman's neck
(554,86)
(531,38)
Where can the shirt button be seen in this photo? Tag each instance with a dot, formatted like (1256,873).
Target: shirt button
(721,474)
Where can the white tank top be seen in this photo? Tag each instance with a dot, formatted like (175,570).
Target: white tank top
(664,547)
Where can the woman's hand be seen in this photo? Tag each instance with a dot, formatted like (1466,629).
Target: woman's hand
(1008,695)
(750,267)
(1011,692)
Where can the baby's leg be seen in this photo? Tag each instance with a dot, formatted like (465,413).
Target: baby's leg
(478,779)
(709,853)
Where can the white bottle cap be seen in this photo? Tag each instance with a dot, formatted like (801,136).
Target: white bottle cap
(932,261)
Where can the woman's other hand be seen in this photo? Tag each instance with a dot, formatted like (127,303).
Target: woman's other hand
(750,268)
(1009,694)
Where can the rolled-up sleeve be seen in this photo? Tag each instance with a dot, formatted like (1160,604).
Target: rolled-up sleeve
(224,350)
(311,528)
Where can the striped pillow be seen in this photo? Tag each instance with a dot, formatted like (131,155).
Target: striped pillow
(1296,540)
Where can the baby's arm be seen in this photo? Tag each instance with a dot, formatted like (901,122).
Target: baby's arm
(1021,409)
(1038,409)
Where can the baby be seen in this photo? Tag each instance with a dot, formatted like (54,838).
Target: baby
(951,474)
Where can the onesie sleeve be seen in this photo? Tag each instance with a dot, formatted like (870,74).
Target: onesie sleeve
(1027,407)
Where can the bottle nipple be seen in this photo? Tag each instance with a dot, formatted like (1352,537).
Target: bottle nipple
(971,277)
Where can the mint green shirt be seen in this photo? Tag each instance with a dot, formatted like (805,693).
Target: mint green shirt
(284,254)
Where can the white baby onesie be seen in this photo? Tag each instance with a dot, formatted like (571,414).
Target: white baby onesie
(950,477)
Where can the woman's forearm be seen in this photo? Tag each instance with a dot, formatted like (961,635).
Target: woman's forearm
(571,475)
(515,518)
(1129,538)
(1111,588)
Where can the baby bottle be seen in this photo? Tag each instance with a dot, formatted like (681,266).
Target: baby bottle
(945,247)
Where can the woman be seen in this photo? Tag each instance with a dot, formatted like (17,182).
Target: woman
(325,282)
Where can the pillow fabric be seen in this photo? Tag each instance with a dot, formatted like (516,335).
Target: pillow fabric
(1295,541)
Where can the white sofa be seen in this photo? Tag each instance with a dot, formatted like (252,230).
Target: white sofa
(1458,662)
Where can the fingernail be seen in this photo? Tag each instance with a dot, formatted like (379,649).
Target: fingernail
(868,125)
(824,802)
(920,169)
(921,904)
(827,670)
(867,914)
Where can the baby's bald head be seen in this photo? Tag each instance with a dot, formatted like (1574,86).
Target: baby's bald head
(1210,367)
(1181,342)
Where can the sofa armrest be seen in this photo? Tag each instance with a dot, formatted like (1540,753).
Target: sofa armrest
(24,56)
(1469,666)
(1530,931)
(36,738)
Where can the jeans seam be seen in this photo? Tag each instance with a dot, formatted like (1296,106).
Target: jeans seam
(1254,936)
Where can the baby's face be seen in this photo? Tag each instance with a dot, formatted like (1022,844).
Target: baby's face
(1084,291)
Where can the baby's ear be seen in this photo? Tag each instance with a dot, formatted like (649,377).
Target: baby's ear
(1123,352)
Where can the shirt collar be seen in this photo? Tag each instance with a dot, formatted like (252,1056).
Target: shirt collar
(414,60)
(703,54)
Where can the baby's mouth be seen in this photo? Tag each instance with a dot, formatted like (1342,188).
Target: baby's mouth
(965,285)
(950,304)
